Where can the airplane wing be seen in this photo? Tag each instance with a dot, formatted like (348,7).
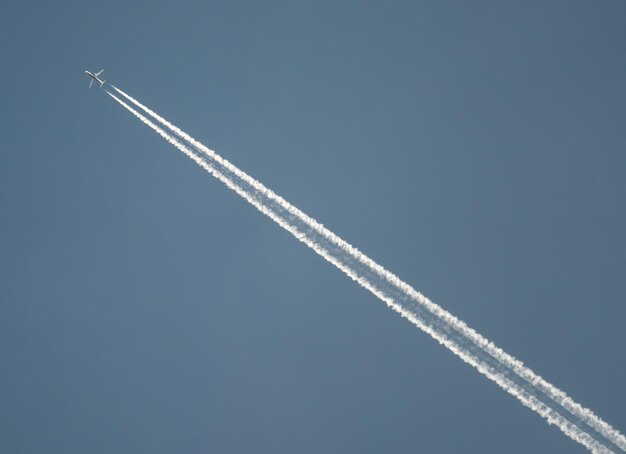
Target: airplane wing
(90,83)
(99,72)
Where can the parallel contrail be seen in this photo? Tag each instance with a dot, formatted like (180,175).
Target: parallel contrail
(579,423)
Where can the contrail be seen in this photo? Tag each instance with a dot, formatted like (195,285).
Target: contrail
(579,423)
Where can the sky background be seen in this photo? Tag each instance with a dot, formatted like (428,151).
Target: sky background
(475,149)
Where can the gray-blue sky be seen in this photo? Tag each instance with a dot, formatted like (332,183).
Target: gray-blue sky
(476,150)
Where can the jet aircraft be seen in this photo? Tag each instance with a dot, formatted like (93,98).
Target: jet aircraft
(95,77)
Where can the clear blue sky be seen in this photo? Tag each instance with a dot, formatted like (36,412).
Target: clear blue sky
(476,149)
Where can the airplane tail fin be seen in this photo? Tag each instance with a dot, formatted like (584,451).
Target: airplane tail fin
(102,83)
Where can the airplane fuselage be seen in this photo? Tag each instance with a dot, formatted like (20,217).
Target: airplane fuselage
(95,77)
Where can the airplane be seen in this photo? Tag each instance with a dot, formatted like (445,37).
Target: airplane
(95,77)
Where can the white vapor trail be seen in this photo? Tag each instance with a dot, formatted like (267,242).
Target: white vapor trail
(576,421)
